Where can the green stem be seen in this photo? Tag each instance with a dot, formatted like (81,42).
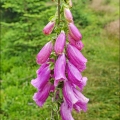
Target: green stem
(58,12)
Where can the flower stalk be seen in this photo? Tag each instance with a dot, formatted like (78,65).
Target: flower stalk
(58,12)
(61,65)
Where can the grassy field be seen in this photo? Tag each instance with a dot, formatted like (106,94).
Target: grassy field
(101,40)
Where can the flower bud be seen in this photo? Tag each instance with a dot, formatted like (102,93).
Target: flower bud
(68,15)
(78,44)
(49,28)
(44,53)
(59,44)
(74,32)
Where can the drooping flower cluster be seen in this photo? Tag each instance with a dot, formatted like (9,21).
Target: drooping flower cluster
(68,64)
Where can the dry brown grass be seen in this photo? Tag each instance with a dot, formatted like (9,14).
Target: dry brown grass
(98,5)
(113,29)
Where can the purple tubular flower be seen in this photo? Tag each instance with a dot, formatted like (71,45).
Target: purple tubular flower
(41,96)
(59,44)
(49,28)
(76,57)
(74,32)
(44,53)
(65,112)
(78,44)
(82,101)
(69,94)
(42,78)
(74,98)
(68,15)
(73,74)
(59,69)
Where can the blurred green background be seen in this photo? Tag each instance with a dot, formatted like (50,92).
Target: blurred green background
(22,38)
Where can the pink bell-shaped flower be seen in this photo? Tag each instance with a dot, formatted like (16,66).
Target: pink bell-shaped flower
(60,43)
(82,101)
(74,32)
(74,76)
(68,15)
(44,53)
(74,98)
(59,69)
(69,94)
(76,58)
(42,78)
(49,28)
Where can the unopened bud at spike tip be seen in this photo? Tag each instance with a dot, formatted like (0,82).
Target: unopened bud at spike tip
(49,28)
(44,53)
(60,43)
(68,15)
(74,32)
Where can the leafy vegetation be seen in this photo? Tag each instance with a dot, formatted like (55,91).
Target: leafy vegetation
(22,38)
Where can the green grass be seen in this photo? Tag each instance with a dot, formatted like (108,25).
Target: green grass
(102,71)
